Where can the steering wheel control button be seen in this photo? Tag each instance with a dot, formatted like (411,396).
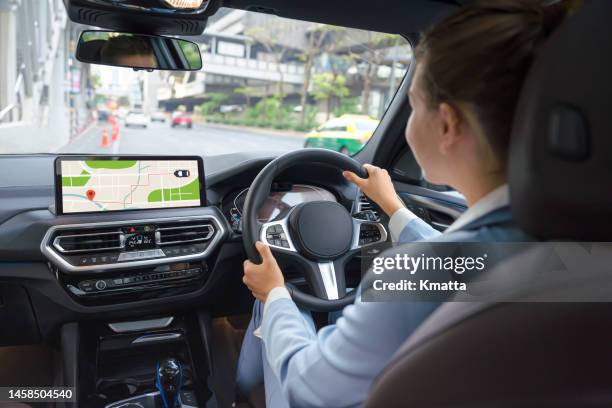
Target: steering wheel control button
(369,233)
(366,215)
(322,230)
(100,285)
(276,235)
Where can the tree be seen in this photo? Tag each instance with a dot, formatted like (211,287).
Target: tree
(215,100)
(370,55)
(96,81)
(247,91)
(317,36)
(265,36)
(328,86)
(347,106)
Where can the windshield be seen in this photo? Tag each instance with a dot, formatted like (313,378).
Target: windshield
(366,126)
(267,84)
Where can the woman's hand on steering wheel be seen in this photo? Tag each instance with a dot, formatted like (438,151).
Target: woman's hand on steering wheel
(262,278)
(317,238)
(378,187)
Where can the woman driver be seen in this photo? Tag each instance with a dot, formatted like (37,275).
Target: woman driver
(470,68)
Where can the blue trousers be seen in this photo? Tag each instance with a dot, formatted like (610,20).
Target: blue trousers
(253,367)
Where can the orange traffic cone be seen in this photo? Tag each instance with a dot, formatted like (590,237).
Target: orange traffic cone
(115,133)
(104,141)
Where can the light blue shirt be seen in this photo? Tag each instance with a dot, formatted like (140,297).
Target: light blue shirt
(336,366)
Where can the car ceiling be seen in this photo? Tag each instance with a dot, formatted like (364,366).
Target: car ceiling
(391,16)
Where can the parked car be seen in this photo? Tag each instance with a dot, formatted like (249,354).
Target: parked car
(137,118)
(158,116)
(182,120)
(231,108)
(346,134)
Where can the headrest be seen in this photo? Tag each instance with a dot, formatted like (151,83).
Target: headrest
(560,165)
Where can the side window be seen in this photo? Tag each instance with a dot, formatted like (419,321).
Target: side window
(406,169)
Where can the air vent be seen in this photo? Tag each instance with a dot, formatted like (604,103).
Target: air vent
(366,205)
(179,233)
(90,241)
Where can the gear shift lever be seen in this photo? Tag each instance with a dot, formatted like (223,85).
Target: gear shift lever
(169,380)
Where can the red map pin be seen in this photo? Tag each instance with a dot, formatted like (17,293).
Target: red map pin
(91,194)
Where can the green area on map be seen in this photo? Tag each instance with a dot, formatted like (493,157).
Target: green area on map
(110,164)
(77,181)
(189,191)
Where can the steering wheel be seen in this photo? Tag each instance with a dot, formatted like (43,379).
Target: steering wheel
(318,237)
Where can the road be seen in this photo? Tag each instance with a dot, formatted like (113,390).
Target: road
(161,139)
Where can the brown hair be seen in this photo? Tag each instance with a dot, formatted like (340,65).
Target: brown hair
(480,56)
(117,48)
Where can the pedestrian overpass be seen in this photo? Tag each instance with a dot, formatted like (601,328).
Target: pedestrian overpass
(229,63)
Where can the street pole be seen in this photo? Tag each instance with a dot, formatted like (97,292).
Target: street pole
(8,55)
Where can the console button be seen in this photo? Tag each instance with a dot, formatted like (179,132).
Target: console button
(172,251)
(84,260)
(100,285)
(118,281)
(126,256)
(86,286)
(192,271)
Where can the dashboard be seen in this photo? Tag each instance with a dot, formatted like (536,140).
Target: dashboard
(78,264)
(283,196)
(59,268)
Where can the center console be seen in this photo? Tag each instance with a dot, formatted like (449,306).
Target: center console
(156,362)
(128,237)
(103,263)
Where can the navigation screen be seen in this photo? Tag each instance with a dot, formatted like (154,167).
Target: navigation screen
(116,184)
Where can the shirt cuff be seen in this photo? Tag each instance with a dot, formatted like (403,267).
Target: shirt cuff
(279,292)
(398,222)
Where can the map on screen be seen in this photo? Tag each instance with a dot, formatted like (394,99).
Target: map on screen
(111,185)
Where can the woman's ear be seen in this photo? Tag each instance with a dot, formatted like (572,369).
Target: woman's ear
(451,126)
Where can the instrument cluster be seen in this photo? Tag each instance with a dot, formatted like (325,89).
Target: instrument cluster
(283,196)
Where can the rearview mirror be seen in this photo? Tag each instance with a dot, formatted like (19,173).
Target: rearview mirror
(148,52)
